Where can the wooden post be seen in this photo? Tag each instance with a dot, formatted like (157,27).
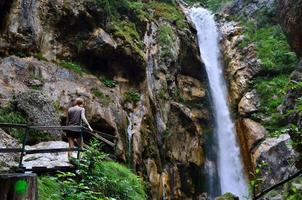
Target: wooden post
(18,187)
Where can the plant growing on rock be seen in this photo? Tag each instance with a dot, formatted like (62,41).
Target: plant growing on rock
(105,99)
(256,178)
(109,83)
(9,114)
(132,96)
(72,66)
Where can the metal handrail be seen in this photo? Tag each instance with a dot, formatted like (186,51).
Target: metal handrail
(26,128)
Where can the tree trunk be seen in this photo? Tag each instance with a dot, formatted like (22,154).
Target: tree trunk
(18,187)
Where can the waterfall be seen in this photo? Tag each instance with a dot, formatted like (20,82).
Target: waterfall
(229,164)
(130,134)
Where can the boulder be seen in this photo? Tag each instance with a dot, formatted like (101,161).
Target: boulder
(249,103)
(48,160)
(100,42)
(278,157)
(8,160)
(39,109)
(253,132)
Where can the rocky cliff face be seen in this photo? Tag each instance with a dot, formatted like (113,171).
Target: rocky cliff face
(242,67)
(289,14)
(132,69)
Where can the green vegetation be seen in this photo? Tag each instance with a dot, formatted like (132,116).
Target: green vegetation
(40,56)
(109,83)
(127,17)
(256,177)
(213,5)
(127,30)
(49,188)
(105,99)
(9,114)
(271,47)
(132,96)
(169,12)
(277,62)
(271,92)
(95,179)
(163,94)
(165,39)
(72,66)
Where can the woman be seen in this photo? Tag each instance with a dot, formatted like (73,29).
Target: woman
(74,117)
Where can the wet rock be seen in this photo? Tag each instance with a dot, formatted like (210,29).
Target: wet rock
(278,158)
(183,132)
(241,65)
(249,103)
(154,179)
(252,131)
(8,160)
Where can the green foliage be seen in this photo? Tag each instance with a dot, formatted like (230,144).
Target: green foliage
(256,177)
(49,188)
(271,47)
(271,92)
(293,190)
(169,12)
(100,179)
(72,66)
(109,83)
(132,96)
(127,30)
(165,39)
(165,33)
(277,63)
(163,94)
(9,114)
(40,56)
(178,96)
(105,99)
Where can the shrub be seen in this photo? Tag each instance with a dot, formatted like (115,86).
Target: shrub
(40,56)
(109,83)
(132,96)
(271,92)
(8,114)
(98,179)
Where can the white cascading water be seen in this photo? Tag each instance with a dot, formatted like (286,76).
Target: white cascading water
(230,167)
(130,134)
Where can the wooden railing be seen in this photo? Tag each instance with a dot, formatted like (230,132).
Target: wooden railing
(104,137)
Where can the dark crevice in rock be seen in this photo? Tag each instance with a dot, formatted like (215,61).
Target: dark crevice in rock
(114,64)
(5,6)
(190,177)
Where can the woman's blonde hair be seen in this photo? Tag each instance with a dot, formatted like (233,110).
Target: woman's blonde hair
(79,101)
